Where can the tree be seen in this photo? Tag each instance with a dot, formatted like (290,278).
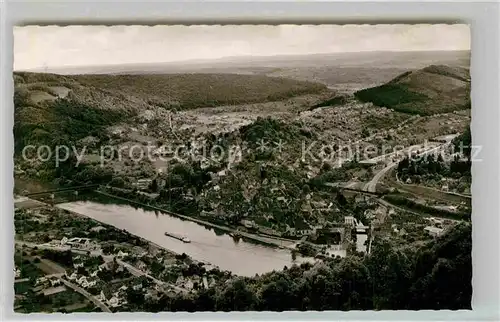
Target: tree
(341,199)
(154,186)
(443,273)
(237,297)
(135,297)
(326,167)
(206,300)
(117,182)
(390,274)
(108,249)
(463,143)
(306,249)
(277,296)
(81,270)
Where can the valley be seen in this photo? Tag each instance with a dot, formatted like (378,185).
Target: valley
(266,167)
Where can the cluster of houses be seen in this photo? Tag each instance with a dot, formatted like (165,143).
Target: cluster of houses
(185,282)
(437,226)
(80,243)
(188,283)
(116,297)
(82,280)
(345,117)
(112,297)
(92,279)
(303,230)
(48,285)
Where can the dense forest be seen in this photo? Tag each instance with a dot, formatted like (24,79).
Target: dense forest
(432,90)
(392,96)
(432,166)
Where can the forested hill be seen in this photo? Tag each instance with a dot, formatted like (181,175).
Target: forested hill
(54,109)
(180,91)
(432,90)
(437,276)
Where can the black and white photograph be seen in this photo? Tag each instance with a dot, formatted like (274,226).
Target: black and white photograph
(192,168)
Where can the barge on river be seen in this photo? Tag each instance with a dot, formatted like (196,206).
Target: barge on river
(178,237)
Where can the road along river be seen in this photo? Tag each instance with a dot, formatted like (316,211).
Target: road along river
(239,257)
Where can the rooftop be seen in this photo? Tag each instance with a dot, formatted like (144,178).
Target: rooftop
(433,229)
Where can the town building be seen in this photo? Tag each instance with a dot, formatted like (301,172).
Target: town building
(76,265)
(122,254)
(248,223)
(40,281)
(72,276)
(79,243)
(349,220)
(142,183)
(433,231)
(269,231)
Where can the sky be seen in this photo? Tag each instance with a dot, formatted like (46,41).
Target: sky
(74,46)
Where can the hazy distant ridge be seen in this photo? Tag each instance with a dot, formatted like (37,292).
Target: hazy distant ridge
(408,60)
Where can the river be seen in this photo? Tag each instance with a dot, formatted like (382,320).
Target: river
(239,257)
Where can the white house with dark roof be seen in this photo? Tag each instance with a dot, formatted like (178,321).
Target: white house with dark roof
(434,231)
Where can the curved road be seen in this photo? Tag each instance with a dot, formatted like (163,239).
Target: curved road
(59,276)
(89,296)
(132,269)
(372,185)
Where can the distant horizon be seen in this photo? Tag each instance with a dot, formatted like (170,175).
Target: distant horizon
(205,60)
(40,47)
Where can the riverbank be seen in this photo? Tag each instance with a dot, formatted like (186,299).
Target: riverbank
(280,242)
(208,245)
(150,243)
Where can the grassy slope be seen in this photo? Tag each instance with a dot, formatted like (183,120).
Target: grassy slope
(431,90)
